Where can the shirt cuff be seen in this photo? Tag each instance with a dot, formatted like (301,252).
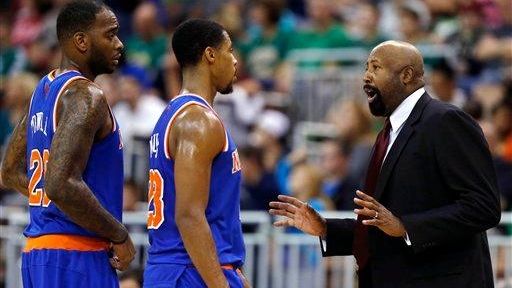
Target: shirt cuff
(407,240)
(323,244)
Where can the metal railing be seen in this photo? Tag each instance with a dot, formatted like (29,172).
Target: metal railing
(275,258)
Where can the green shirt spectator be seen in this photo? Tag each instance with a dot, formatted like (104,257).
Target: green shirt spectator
(147,47)
(146,53)
(263,53)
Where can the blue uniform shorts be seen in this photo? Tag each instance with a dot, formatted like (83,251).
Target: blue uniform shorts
(182,276)
(56,268)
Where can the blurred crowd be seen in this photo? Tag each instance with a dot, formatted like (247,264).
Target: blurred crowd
(323,164)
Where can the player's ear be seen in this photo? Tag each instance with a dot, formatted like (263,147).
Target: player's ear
(209,54)
(81,41)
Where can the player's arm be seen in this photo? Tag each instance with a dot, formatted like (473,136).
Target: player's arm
(14,166)
(196,138)
(83,113)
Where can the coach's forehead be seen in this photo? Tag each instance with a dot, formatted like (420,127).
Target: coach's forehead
(396,53)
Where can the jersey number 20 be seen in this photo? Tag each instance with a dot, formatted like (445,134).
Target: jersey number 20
(155,196)
(37,196)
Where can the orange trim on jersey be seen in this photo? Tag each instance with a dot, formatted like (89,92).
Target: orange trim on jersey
(58,96)
(228,267)
(168,129)
(66,242)
(226,142)
(51,75)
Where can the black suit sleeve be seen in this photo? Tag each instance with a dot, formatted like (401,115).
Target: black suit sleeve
(465,164)
(339,238)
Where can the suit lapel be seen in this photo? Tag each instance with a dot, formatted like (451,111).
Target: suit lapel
(399,144)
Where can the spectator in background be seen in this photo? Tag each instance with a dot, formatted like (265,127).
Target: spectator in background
(48,33)
(28,22)
(502,121)
(38,57)
(259,186)
(475,109)
(364,25)
(170,76)
(306,185)
(503,167)
(229,15)
(147,46)
(471,28)
(241,109)
(264,48)
(337,183)
(354,125)
(390,21)
(132,196)
(137,114)
(443,85)
(320,30)
(269,135)
(414,22)
(18,90)
(108,83)
(8,53)
(498,43)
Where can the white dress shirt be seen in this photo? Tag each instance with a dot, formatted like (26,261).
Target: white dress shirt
(397,120)
(400,115)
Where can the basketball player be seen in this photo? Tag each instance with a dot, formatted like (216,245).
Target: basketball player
(194,178)
(66,157)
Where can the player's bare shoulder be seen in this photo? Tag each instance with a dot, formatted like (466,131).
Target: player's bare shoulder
(84,103)
(200,125)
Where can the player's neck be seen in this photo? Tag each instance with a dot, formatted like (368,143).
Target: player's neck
(67,64)
(194,83)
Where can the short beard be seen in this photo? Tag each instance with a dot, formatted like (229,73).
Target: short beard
(98,64)
(377,107)
(227,90)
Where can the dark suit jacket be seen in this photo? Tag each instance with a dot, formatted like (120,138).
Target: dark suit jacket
(439,179)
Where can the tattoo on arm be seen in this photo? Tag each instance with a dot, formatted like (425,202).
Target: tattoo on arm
(14,166)
(83,113)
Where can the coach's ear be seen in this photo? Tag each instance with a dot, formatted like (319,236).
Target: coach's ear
(81,41)
(209,54)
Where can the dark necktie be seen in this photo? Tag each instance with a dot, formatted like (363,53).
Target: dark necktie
(360,247)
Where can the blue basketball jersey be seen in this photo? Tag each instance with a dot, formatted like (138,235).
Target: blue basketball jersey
(103,174)
(222,211)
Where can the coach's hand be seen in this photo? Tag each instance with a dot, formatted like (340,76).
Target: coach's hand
(299,215)
(123,254)
(380,217)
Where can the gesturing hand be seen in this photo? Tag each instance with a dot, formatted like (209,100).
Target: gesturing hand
(380,217)
(299,215)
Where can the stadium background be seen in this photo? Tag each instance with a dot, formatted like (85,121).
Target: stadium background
(297,112)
